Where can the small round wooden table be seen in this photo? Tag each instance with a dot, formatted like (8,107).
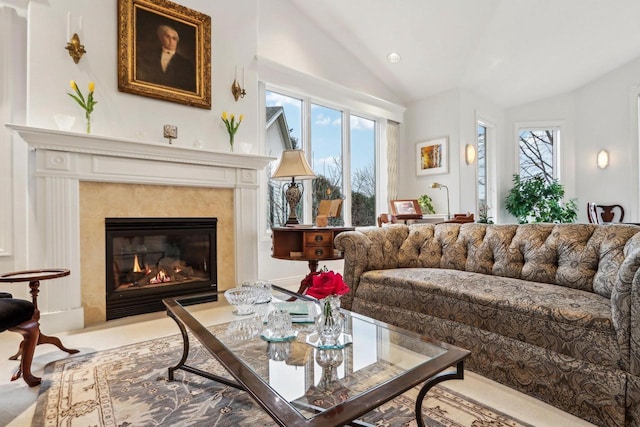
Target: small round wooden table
(34,277)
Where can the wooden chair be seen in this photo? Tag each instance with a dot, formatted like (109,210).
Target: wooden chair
(23,317)
(17,315)
(386,218)
(604,214)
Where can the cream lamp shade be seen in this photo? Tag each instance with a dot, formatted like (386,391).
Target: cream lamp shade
(293,164)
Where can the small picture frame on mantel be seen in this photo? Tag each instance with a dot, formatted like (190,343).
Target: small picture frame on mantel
(432,157)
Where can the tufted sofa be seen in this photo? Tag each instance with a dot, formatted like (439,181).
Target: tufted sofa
(552,310)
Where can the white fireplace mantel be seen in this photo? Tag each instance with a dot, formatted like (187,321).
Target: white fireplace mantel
(59,160)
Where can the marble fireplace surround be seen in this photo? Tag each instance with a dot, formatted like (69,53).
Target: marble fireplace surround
(63,165)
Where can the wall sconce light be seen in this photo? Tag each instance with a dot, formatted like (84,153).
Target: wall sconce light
(469,153)
(440,187)
(236,89)
(602,159)
(76,50)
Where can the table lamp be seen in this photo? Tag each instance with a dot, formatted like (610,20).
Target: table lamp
(440,187)
(293,165)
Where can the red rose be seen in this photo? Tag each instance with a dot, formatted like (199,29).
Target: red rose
(327,283)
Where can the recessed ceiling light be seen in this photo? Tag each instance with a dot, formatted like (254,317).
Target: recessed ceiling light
(394,57)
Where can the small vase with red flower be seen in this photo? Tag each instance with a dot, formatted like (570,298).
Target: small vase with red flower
(327,287)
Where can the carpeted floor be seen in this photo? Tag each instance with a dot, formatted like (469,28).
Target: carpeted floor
(128,386)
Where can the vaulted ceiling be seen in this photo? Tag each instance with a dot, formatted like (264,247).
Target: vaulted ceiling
(510,51)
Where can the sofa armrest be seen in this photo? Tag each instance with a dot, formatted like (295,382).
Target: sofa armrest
(355,247)
(368,249)
(625,306)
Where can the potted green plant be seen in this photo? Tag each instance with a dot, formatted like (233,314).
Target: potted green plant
(426,204)
(537,200)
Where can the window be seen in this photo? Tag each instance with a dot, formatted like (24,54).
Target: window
(363,171)
(482,166)
(326,158)
(284,127)
(538,152)
(341,149)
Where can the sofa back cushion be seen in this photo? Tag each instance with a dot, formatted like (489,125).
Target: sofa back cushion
(580,256)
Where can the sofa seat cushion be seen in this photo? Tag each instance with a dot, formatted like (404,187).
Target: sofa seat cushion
(14,312)
(564,320)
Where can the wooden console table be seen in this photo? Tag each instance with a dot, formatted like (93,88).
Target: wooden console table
(311,244)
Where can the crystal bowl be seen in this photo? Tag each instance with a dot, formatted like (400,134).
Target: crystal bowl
(242,299)
(264,289)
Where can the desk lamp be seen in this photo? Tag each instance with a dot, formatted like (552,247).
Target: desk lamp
(293,165)
(440,187)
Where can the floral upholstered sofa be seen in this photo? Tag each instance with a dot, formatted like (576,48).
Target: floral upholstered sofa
(552,310)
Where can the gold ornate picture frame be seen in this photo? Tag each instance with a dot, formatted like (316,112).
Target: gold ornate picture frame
(149,62)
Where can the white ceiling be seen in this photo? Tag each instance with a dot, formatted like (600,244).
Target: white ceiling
(510,51)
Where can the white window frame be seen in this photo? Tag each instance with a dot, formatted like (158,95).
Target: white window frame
(557,126)
(490,167)
(306,145)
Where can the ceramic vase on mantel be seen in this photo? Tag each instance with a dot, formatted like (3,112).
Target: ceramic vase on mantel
(330,321)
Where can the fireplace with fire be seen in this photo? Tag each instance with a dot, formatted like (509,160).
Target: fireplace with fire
(149,259)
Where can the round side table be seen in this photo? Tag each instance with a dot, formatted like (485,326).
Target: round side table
(34,277)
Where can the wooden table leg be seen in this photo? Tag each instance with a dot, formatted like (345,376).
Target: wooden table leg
(307,281)
(34,285)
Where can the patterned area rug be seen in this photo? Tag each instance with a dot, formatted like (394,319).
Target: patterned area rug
(128,386)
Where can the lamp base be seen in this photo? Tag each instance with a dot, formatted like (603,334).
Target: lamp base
(293,195)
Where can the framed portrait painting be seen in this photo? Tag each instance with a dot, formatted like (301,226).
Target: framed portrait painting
(432,157)
(164,52)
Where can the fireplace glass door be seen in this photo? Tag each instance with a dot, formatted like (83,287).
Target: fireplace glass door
(149,259)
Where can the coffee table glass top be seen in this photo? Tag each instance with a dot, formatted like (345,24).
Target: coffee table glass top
(297,379)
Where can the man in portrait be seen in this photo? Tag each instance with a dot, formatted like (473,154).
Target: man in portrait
(164,65)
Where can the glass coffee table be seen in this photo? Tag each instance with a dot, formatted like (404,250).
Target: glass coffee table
(297,381)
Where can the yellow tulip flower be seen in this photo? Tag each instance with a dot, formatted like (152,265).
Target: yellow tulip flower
(73,85)
(224,115)
(92,86)
(241,117)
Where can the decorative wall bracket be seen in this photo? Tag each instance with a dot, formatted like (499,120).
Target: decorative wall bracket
(76,50)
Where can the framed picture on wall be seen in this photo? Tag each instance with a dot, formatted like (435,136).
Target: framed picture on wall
(164,52)
(432,157)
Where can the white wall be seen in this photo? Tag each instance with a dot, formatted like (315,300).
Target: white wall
(434,117)
(452,114)
(288,37)
(607,117)
(600,115)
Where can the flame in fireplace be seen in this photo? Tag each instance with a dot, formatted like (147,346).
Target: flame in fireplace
(136,265)
(161,277)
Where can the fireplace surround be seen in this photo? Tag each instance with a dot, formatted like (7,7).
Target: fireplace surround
(59,162)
